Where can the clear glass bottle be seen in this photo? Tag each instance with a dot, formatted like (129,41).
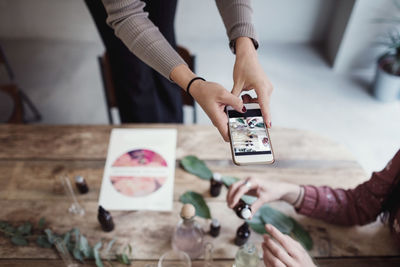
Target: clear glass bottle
(188,235)
(247,256)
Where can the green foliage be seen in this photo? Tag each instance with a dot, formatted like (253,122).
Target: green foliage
(197,167)
(198,202)
(75,242)
(284,223)
(265,215)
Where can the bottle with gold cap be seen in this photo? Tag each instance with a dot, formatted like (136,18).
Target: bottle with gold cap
(188,235)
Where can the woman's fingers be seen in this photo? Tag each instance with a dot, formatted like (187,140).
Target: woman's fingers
(270,259)
(233,192)
(263,101)
(278,251)
(245,187)
(284,240)
(232,100)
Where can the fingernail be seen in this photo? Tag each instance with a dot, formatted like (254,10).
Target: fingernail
(270,124)
(244,109)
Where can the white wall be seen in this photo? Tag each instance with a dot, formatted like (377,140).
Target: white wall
(276,21)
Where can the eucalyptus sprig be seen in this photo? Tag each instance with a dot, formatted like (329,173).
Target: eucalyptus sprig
(75,242)
(264,215)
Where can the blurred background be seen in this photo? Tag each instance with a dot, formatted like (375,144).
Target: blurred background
(321,56)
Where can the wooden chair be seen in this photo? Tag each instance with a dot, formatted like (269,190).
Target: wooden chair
(109,88)
(18,97)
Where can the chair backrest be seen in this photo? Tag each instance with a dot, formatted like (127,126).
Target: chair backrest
(109,88)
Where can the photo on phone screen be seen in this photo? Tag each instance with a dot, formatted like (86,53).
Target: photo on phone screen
(248,133)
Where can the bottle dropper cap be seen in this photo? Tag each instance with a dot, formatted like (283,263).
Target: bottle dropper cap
(188,211)
(246,213)
(79,179)
(217,176)
(215,222)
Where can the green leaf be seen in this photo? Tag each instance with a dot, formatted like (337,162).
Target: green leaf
(43,242)
(42,222)
(300,234)
(96,254)
(198,202)
(260,125)
(197,167)
(9,230)
(77,254)
(25,229)
(19,240)
(109,246)
(240,120)
(84,246)
(278,219)
(123,258)
(257,227)
(229,180)
(50,237)
(3,224)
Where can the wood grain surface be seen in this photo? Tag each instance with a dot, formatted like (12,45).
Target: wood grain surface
(32,157)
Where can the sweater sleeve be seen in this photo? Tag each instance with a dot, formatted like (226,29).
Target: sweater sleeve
(357,206)
(132,25)
(237,18)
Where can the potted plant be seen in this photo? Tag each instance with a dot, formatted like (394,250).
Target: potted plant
(386,86)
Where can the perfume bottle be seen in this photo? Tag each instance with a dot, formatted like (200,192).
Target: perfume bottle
(242,234)
(215,227)
(215,184)
(243,210)
(247,256)
(105,220)
(188,235)
(81,184)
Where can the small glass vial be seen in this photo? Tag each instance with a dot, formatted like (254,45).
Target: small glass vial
(247,256)
(188,235)
(215,184)
(243,210)
(215,227)
(105,220)
(242,234)
(81,184)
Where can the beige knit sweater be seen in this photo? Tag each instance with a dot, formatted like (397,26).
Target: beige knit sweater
(132,25)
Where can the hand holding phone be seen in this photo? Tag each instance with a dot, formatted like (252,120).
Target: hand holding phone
(249,137)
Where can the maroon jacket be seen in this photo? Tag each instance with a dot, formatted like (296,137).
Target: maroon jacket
(358,206)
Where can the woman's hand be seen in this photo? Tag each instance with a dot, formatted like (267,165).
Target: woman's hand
(283,251)
(248,74)
(265,190)
(212,97)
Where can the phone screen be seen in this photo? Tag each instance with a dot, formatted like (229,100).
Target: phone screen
(248,133)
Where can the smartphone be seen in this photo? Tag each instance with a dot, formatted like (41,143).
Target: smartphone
(249,137)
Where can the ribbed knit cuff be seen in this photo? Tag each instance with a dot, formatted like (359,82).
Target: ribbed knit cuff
(310,200)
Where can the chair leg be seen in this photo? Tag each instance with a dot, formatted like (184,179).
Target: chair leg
(36,114)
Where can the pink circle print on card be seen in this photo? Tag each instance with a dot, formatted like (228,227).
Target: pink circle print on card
(138,173)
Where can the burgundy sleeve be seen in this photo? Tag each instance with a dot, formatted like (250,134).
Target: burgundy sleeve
(354,206)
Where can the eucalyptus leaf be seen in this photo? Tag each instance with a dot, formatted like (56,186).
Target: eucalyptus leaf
(43,242)
(77,254)
(300,234)
(67,238)
(278,219)
(257,227)
(84,246)
(42,222)
(50,236)
(197,167)
(123,258)
(3,224)
(109,246)
(9,230)
(260,125)
(19,240)
(229,180)
(96,254)
(25,229)
(198,202)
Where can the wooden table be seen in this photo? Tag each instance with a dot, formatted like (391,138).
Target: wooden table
(31,157)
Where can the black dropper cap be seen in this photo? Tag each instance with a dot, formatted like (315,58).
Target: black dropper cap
(81,184)
(105,220)
(215,227)
(242,234)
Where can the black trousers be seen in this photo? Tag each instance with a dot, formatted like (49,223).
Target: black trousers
(143,95)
